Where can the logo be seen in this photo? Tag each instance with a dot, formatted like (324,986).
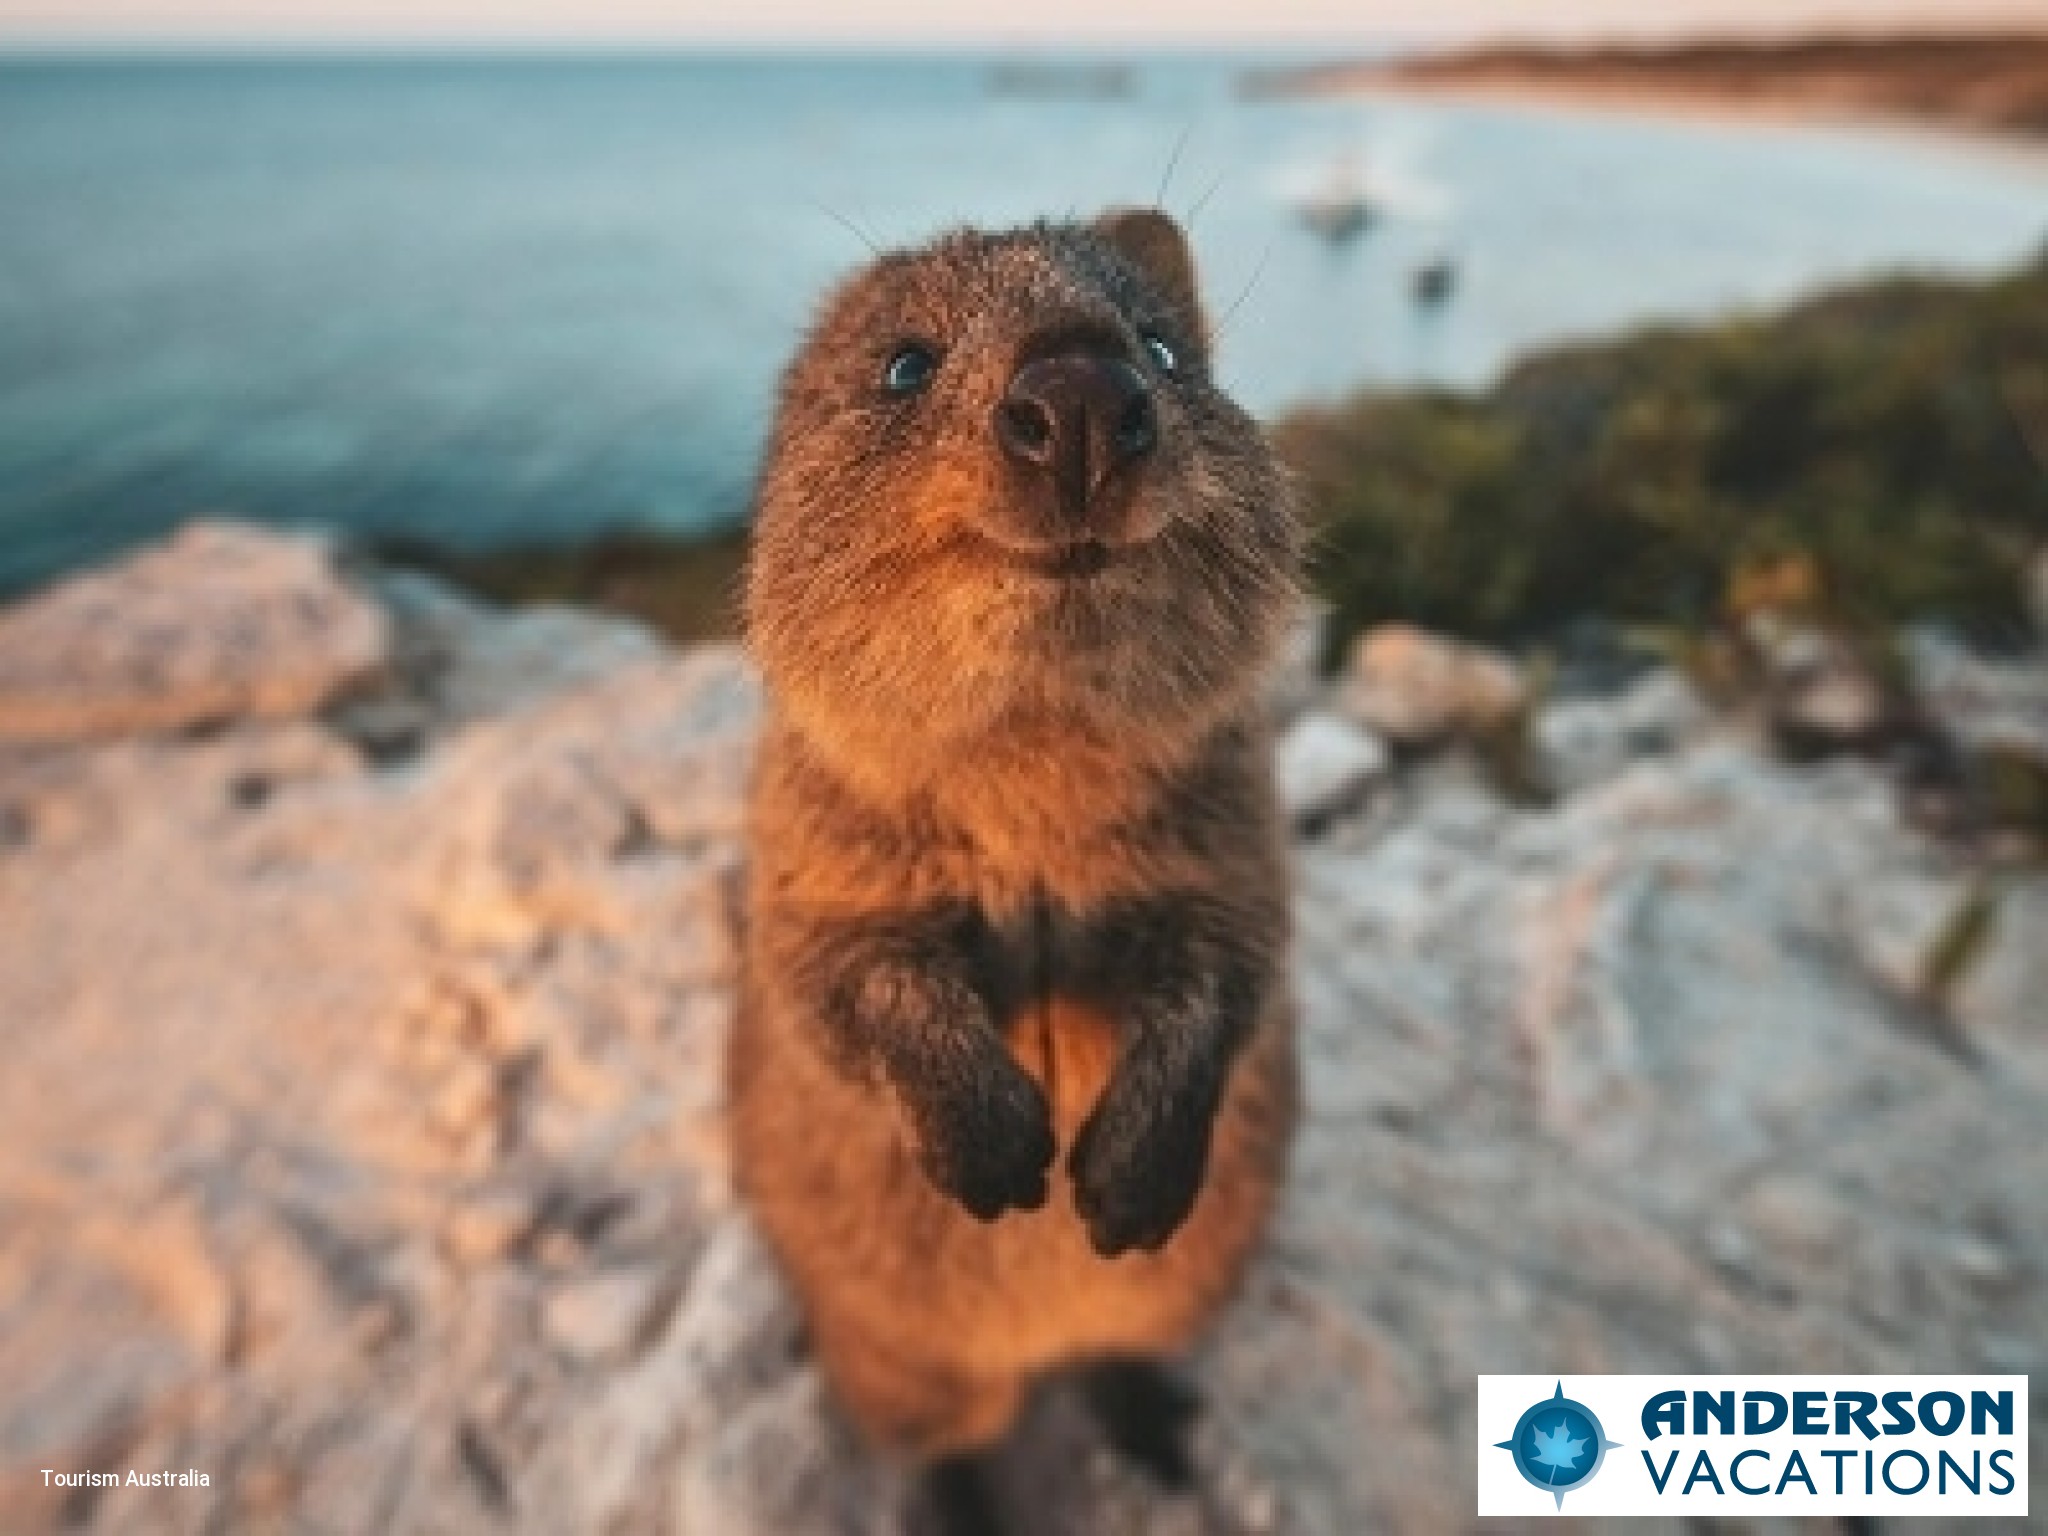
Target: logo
(1558,1445)
(1752,1448)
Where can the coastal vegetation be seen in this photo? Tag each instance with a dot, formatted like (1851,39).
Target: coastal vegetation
(1879,455)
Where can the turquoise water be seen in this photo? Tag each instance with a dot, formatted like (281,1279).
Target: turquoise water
(490,302)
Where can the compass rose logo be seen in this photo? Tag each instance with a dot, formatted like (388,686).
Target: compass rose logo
(1558,1445)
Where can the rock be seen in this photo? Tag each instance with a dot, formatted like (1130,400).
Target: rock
(1992,716)
(222,622)
(168,1255)
(361,1139)
(1979,701)
(464,660)
(388,727)
(244,1139)
(2037,593)
(1578,743)
(1415,688)
(1838,704)
(1820,694)
(488,1228)
(603,1316)
(597,804)
(1596,1046)
(1326,766)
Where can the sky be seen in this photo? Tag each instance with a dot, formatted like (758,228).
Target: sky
(941,22)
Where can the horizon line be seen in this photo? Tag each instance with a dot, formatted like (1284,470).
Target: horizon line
(1148,41)
(1376,41)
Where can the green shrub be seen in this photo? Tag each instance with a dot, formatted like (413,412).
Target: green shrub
(1894,437)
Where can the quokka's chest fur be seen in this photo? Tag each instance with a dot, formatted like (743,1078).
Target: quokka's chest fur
(892,1268)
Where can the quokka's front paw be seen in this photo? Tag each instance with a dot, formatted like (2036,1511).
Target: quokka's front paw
(985,1136)
(1138,1162)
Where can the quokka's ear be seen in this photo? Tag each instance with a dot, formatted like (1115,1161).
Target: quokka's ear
(1153,243)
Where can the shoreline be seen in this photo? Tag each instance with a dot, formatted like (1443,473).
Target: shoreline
(1982,91)
(1755,113)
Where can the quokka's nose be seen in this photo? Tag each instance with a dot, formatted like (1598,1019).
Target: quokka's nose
(1079,418)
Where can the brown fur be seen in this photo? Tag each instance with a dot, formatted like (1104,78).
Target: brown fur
(1017,883)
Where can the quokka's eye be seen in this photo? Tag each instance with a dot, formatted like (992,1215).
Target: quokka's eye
(910,367)
(1162,354)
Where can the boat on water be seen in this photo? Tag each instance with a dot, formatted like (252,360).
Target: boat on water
(1340,207)
(1356,189)
(1434,282)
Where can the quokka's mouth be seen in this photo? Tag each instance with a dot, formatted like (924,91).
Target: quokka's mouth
(1072,561)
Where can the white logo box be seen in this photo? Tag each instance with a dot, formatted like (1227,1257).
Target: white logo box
(1626,1485)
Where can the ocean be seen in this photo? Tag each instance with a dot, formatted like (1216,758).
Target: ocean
(482,303)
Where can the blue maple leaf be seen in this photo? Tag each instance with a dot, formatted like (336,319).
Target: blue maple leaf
(1557,1449)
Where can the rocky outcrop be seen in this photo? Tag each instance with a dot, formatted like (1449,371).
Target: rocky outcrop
(1579,742)
(1324,765)
(223,622)
(1983,705)
(1419,689)
(1820,692)
(361,1142)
